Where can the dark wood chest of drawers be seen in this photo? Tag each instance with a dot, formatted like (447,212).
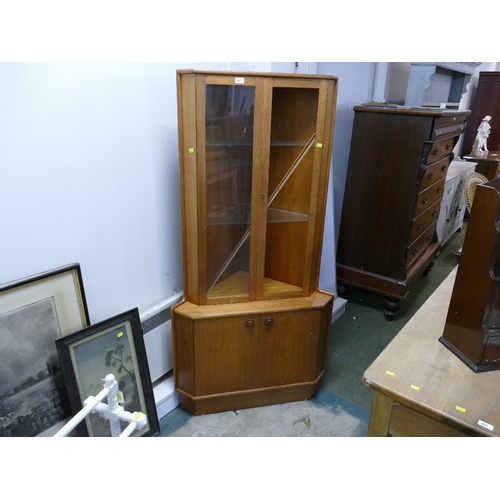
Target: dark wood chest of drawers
(395,181)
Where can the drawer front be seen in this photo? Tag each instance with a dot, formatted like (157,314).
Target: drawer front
(419,245)
(434,151)
(434,173)
(423,221)
(452,125)
(427,197)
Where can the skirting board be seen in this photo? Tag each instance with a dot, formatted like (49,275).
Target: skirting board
(166,397)
(338,308)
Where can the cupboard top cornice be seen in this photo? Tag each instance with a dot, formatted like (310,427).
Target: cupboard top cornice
(402,110)
(260,74)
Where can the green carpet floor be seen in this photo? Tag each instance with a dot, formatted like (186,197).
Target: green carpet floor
(362,332)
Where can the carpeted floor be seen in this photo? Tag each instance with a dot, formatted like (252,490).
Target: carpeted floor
(325,415)
(341,406)
(362,332)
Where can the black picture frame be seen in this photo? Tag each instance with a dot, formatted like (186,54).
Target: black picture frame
(114,346)
(34,312)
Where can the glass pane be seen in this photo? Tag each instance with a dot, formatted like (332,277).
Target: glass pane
(229,151)
(293,129)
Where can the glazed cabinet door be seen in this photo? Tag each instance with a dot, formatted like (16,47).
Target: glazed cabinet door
(293,185)
(226,183)
(255,152)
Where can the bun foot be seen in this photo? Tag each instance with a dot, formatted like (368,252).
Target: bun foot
(391,308)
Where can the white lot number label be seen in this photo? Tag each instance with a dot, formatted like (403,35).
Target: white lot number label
(485,425)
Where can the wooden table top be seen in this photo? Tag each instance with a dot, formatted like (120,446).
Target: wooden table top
(418,371)
(491,157)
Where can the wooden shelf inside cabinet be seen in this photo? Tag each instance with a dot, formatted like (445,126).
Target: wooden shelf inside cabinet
(240,214)
(255,154)
(237,284)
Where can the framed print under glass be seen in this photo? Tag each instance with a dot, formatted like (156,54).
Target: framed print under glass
(34,312)
(113,346)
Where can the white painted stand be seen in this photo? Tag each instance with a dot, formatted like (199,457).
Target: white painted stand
(112,411)
(448,87)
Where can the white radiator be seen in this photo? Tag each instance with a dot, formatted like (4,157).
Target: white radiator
(157,329)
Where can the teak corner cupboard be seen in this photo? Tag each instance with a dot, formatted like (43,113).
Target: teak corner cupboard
(255,153)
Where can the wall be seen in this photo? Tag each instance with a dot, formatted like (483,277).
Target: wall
(89,174)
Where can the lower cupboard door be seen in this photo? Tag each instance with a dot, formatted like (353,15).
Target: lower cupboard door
(226,352)
(289,347)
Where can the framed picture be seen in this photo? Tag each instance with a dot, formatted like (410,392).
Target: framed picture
(34,312)
(113,346)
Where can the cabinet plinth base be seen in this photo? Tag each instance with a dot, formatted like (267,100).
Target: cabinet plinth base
(247,399)
(395,290)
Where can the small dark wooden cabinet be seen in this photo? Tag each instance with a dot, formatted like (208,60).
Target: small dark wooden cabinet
(395,181)
(472,329)
(486,103)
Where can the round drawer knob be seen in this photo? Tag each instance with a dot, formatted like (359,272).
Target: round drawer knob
(269,321)
(250,323)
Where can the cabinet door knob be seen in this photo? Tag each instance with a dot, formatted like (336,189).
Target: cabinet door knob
(269,321)
(250,323)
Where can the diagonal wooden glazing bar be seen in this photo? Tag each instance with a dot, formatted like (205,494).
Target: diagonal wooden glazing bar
(291,170)
(245,236)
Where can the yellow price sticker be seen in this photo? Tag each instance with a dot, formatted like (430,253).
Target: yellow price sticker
(120,334)
(460,408)
(319,144)
(191,150)
(415,387)
(391,374)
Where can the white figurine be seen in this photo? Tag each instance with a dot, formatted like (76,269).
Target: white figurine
(479,147)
